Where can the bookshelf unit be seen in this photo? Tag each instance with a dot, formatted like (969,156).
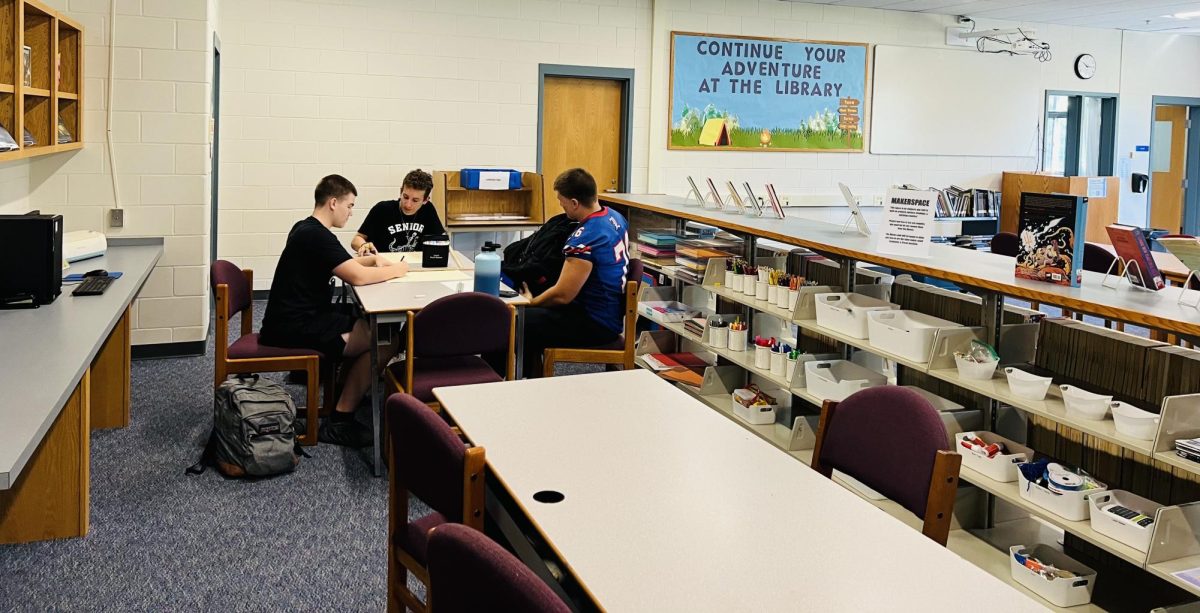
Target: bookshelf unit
(1178,547)
(494,210)
(54,91)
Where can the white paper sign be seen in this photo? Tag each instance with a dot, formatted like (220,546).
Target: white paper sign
(907,222)
(1097,188)
(493,180)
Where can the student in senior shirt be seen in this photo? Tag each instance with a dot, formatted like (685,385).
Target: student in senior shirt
(401,224)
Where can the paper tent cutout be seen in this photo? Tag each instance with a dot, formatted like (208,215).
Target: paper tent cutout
(715,133)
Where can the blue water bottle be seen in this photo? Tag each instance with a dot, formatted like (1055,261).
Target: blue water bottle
(487,270)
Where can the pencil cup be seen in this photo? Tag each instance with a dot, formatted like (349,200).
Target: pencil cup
(773,294)
(781,297)
(733,281)
(718,337)
(791,368)
(792,296)
(737,340)
(778,363)
(760,293)
(748,284)
(762,357)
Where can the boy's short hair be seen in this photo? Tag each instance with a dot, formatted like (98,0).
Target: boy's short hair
(418,179)
(576,184)
(333,186)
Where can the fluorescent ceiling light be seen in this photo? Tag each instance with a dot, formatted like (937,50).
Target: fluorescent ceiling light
(1186,15)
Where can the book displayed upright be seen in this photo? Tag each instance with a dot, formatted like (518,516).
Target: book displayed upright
(1051,230)
(1131,247)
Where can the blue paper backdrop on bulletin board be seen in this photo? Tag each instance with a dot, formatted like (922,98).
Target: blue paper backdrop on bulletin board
(744,92)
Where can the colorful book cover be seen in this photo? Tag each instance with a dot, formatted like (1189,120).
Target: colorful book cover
(1130,245)
(1185,248)
(1051,230)
(660,239)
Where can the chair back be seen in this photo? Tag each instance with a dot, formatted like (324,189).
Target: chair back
(468,572)
(428,458)
(633,283)
(887,437)
(1098,259)
(1006,243)
(240,292)
(467,323)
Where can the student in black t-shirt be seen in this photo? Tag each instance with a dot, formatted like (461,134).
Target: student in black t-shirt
(300,310)
(400,225)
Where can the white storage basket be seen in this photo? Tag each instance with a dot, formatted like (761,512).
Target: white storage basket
(908,334)
(847,313)
(1058,591)
(837,379)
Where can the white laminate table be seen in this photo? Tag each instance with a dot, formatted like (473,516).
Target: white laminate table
(669,506)
(390,302)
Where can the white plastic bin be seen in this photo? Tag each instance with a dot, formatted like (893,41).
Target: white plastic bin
(1027,385)
(758,415)
(981,371)
(1108,524)
(1083,404)
(1003,466)
(847,313)
(1134,422)
(908,334)
(1058,591)
(837,379)
(1068,505)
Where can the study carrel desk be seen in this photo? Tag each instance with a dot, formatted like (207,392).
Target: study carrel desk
(390,302)
(64,371)
(669,506)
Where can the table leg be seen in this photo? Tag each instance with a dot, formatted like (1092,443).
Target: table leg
(50,498)
(373,322)
(519,345)
(111,373)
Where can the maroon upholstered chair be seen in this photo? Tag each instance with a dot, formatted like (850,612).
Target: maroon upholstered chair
(471,573)
(428,460)
(1006,243)
(620,351)
(446,339)
(233,289)
(893,440)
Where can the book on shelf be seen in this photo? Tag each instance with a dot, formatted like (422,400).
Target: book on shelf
(655,252)
(955,201)
(687,376)
(695,325)
(667,361)
(657,239)
(1130,244)
(1186,248)
(1051,230)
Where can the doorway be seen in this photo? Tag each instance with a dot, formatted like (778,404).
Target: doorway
(215,123)
(1174,170)
(585,120)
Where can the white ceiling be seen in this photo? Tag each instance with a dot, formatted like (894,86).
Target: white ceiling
(1141,15)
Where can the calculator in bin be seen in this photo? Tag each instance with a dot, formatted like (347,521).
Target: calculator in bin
(1128,516)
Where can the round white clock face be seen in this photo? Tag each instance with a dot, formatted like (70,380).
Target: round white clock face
(1085,66)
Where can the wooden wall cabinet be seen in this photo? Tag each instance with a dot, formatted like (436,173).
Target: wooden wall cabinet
(459,206)
(1101,212)
(55,78)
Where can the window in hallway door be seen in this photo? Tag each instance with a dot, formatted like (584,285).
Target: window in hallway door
(1080,134)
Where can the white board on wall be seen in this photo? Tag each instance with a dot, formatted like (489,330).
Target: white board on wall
(930,101)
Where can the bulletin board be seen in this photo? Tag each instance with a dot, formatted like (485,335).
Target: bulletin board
(753,93)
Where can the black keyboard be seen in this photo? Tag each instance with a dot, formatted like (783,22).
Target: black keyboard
(92,286)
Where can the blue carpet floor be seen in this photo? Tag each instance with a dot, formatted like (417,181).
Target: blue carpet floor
(313,540)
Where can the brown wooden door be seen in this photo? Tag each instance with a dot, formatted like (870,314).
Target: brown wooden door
(581,127)
(1166,188)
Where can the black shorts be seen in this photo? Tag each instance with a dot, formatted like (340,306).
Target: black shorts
(322,332)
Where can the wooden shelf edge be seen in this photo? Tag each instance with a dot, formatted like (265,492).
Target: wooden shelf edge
(7,88)
(36,91)
(37,151)
(67,96)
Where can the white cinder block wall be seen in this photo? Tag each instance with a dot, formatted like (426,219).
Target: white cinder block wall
(374,88)
(805,175)
(161,103)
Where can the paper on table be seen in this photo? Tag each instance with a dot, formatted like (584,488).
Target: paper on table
(456,286)
(432,275)
(412,258)
(1191,575)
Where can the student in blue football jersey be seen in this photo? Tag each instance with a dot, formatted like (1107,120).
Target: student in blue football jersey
(584,308)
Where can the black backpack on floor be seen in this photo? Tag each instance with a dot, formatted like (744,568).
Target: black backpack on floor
(254,432)
(537,259)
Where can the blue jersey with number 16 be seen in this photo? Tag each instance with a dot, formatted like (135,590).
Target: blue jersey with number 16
(602,239)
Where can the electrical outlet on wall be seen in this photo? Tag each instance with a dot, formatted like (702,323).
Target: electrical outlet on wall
(116,218)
